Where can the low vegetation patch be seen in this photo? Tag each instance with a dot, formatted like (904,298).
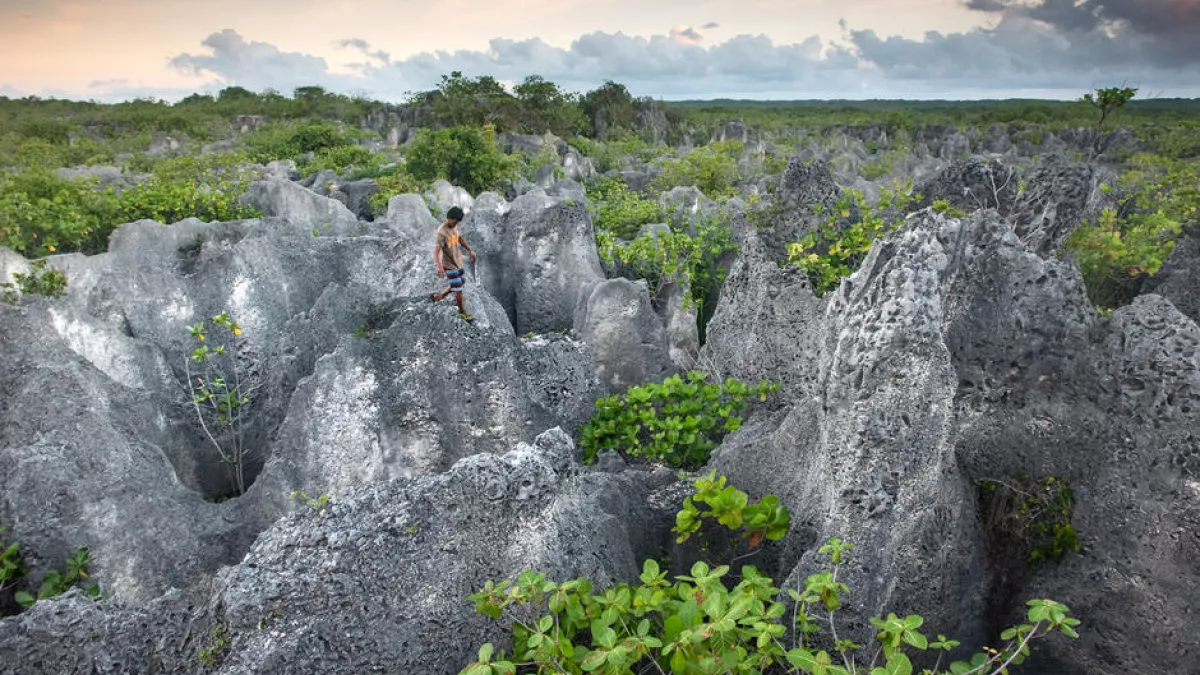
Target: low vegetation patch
(677,422)
(710,621)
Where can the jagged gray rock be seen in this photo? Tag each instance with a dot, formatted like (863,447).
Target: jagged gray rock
(973,183)
(549,253)
(75,634)
(625,337)
(304,208)
(441,196)
(425,545)
(358,194)
(928,377)
(1177,281)
(1061,194)
(767,325)
(115,420)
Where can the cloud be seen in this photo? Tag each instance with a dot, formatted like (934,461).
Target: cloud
(710,25)
(1050,44)
(254,65)
(660,65)
(1159,32)
(686,35)
(363,46)
(108,84)
(10,91)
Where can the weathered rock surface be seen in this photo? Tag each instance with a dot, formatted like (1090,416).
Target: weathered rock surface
(623,334)
(441,196)
(975,183)
(293,203)
(421,390)
(1177,281)
(956,354)
(425,545)
(1060,195)
(545,249)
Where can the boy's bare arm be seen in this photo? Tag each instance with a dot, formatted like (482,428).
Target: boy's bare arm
(463,242)
(437,259)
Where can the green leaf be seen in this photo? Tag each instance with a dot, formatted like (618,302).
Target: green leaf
(593,660)
(485,652)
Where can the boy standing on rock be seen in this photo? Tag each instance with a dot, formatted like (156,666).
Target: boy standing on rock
(449,260)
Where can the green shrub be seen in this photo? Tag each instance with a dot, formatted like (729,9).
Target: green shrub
(836,248)
(691,260)
(293,140)
(699,625)
(204,187)
(731,507)
(620,211)
(398,183)
(466,156)
(712,168)
(41,213)
(55,583)
(39,281)
(220,389)
(947,209)
(1132,241)
(12,570)
(1035,515)
(678,421)
(348,161)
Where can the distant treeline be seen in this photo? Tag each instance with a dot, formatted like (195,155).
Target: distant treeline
(537,105)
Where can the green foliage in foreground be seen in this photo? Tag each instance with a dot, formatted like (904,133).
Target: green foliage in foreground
(706,623)
(220,389)
(13,570)
(1131,241)
(678,421)
(838,246)
(51,283)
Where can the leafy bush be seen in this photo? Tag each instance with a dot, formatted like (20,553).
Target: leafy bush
(466,156)
(836,248)
(690,260)
(1032,514)
(55,583)
(39,281)
(41,213)
(348,161)
(220,390)
(1132,241)
(199,186)
(12,569)
(294,140)
(731,507)
(712,168)
(678,421)
(700,626)
(884,163)
(620,211)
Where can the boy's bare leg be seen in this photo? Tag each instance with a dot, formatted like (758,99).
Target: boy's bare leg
(437,297)
(459,300)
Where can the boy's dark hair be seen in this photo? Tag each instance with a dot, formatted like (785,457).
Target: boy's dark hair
(455,214)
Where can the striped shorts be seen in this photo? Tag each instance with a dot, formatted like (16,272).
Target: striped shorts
(455,277)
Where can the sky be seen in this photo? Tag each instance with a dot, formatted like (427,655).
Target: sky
(667,49)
